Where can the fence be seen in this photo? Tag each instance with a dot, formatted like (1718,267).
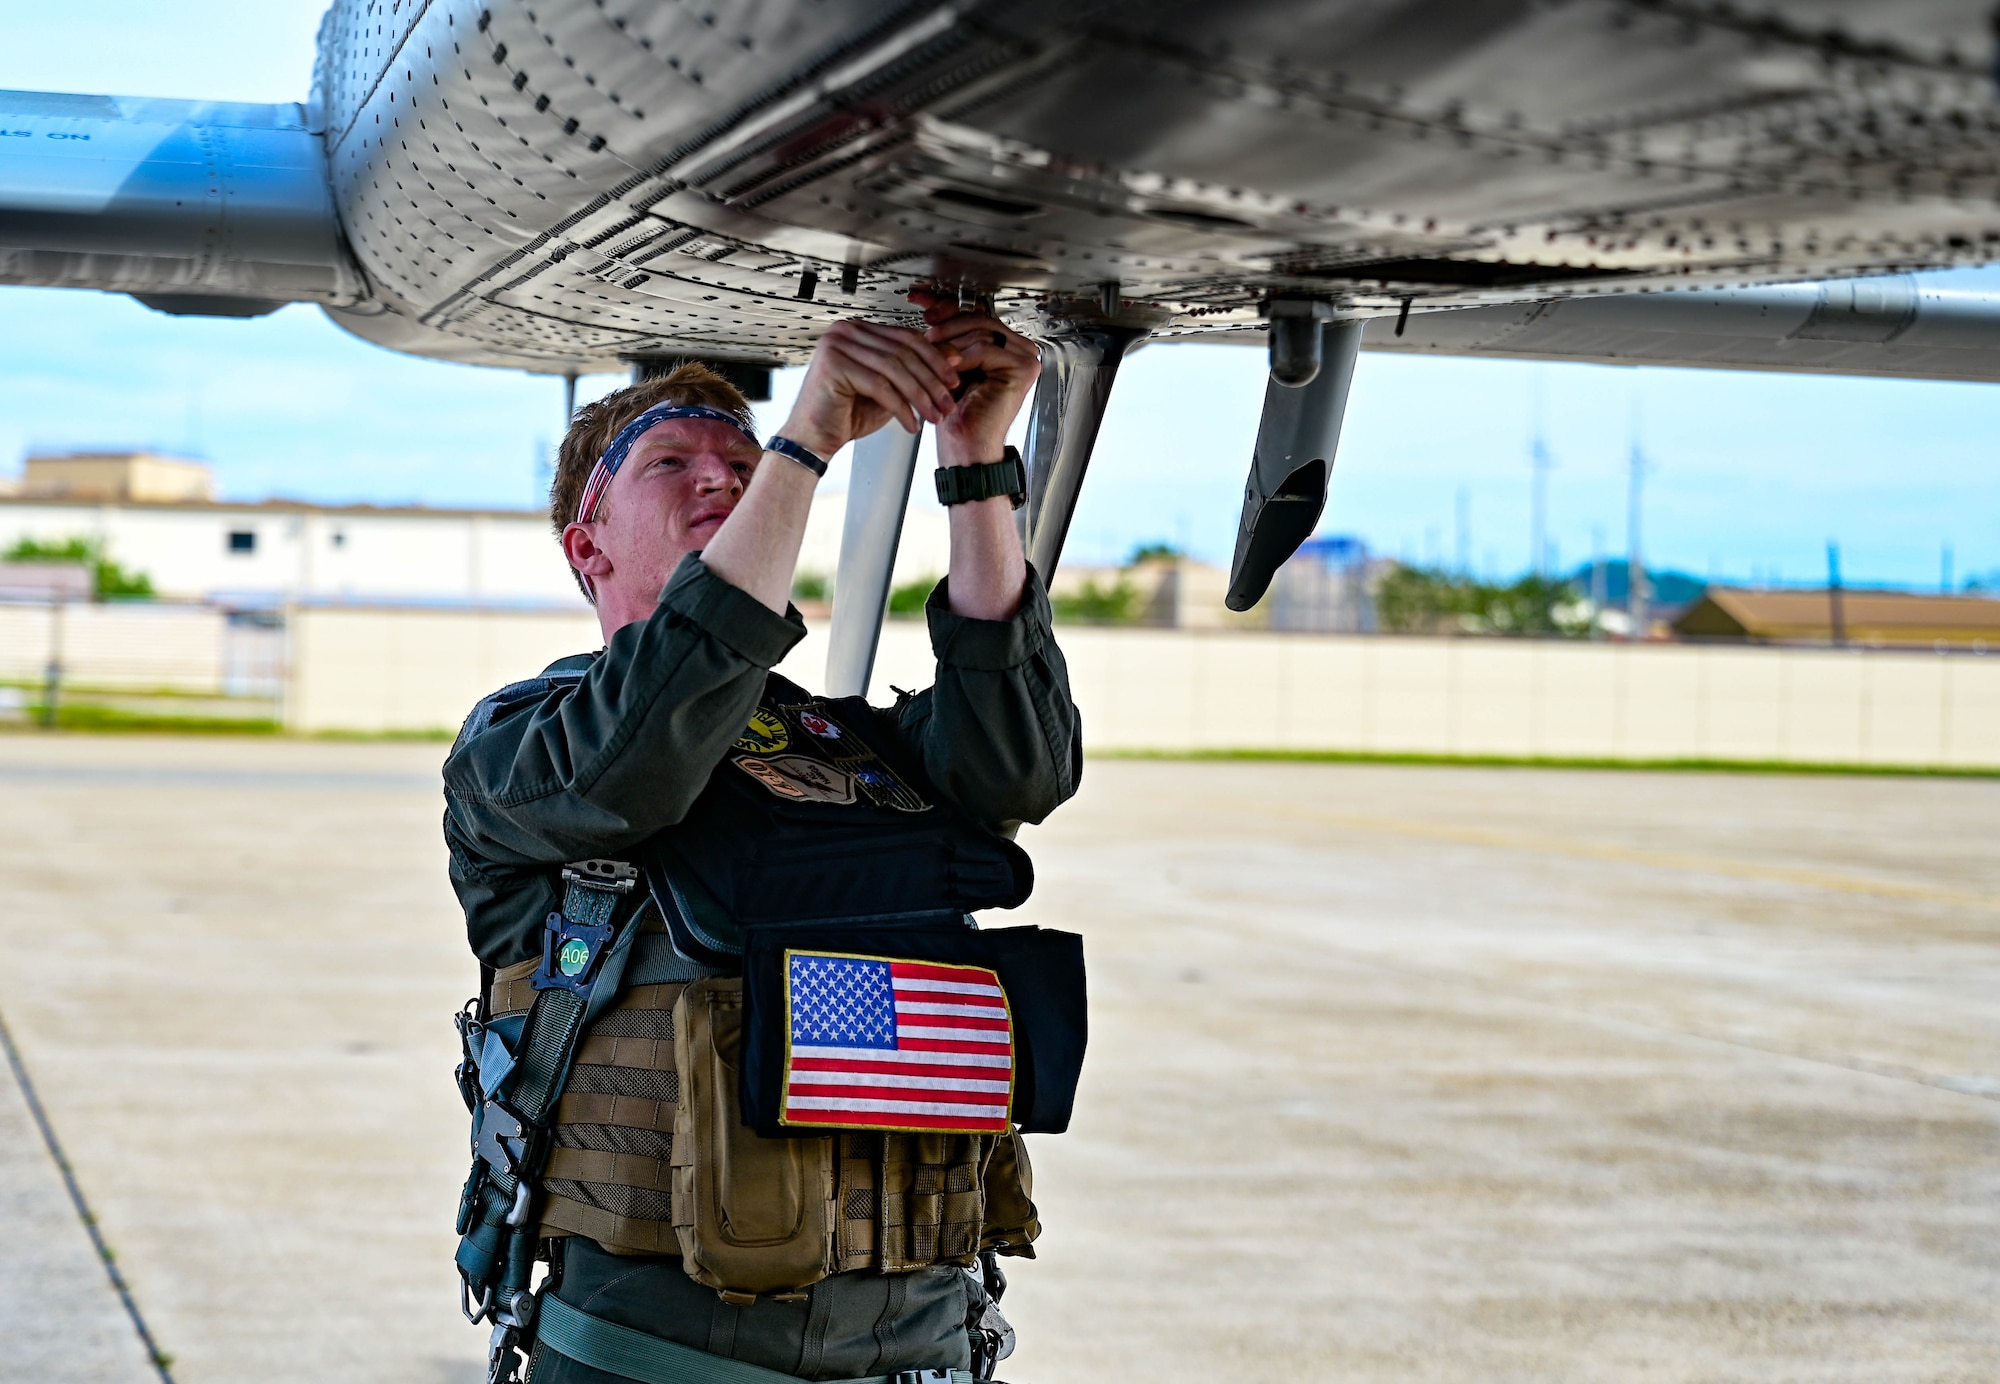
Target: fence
(141,660)
(1180,690)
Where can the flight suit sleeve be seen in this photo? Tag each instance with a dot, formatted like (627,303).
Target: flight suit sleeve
(997,733)
(593,768)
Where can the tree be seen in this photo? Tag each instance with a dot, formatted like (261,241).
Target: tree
(909,598)
(1430,600)
(110,578)
(1091,604)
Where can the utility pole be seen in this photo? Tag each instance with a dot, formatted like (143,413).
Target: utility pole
(569,397)
(1538,521)
(52,675)
(1833,601)
(1635,554)
(1598,581)
(1463,538)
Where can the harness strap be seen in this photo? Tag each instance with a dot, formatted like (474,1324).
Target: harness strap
(582,967)
(651,1359)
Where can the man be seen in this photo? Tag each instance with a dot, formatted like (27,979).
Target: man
(684,532)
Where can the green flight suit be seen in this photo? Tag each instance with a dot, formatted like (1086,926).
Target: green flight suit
(547,773)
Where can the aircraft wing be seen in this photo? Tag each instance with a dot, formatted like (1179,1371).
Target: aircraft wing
(208,207)
(1891,327)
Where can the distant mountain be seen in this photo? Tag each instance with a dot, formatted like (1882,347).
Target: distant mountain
(1669,588)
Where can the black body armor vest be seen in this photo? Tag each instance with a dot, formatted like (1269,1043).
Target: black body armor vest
(816,813)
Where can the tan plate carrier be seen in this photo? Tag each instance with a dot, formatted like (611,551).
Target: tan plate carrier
(651,1156)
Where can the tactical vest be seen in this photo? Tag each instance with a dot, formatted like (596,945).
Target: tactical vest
(809,816)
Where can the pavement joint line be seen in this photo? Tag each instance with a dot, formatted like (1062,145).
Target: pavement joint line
(1886,1071)
(158,1358)
(1637,855)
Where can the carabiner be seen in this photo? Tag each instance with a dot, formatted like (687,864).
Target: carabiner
(465,1302)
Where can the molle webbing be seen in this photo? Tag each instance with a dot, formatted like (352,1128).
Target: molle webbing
(902,1201)
(609,1175)
(909,1200)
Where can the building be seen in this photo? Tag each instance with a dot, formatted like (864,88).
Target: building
(1327,586)
(119,477)
(1873,619)
(1165,591)
(275,551)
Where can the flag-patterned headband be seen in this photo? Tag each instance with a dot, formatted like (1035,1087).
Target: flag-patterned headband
(628,437)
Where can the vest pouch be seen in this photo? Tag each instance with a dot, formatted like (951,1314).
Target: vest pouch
(753,1216)
(931,1200)
(1009,1221)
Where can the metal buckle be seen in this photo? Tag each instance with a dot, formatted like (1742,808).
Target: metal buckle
(517,1216)
(572,955)
(519,1311)
(465,1302)
(612,876)
(503,1138)
(503,1364)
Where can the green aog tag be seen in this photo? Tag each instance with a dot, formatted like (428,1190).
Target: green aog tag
(575,955)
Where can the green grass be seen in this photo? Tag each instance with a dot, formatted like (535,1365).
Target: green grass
(1497,761)
(90,720)
(84,717)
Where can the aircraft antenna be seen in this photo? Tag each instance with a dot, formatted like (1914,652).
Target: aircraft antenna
(1462,539)
(1635,556)
(1538,517)
(1599,580)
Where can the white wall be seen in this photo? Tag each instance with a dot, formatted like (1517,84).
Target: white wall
(361,554)
(1190,690)
(383,669)
(331,553)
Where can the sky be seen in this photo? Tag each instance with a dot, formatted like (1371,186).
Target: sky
(1748,476)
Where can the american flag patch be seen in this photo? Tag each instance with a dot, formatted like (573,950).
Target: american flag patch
(908,1046)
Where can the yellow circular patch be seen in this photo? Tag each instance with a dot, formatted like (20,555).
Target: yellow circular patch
(765,734)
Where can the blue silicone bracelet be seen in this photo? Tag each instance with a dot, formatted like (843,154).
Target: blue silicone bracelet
(804,456)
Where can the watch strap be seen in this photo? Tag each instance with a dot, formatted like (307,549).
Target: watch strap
(958,485)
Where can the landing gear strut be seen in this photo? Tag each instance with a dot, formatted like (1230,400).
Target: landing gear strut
(878,495)
(1078,370)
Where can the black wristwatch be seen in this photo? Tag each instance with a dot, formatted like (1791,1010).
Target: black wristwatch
(958,485)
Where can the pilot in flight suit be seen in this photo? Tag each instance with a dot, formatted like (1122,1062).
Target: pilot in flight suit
(677,729)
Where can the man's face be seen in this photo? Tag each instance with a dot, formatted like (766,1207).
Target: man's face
(678,483)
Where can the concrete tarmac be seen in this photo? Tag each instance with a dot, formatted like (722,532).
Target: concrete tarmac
(1397,1074)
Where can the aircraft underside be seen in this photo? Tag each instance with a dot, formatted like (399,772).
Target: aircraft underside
(587,181)
(576,185)
(564,184)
